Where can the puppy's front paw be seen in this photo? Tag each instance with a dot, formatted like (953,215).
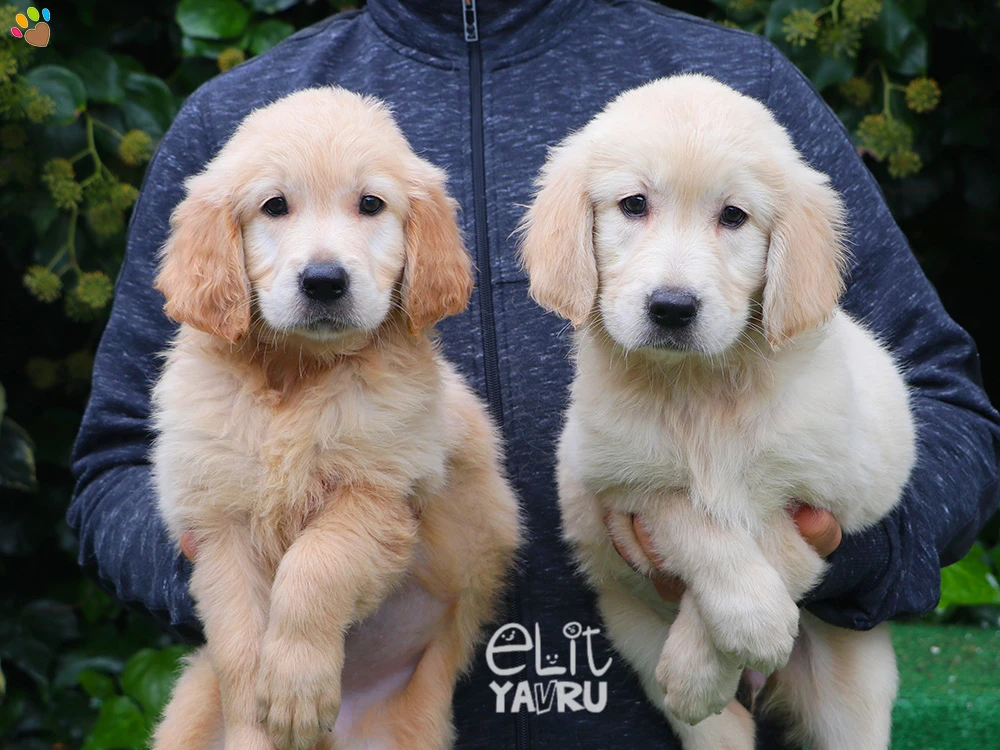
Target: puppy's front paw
(298,693)
(698,680)
(246,737)
(757,625)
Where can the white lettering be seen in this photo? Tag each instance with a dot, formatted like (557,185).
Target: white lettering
(500,691)
(544,693)
(602,697)
(568,692)
(507,633)
(539,669)
(522,696)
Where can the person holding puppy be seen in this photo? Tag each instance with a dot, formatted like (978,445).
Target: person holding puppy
(482,90)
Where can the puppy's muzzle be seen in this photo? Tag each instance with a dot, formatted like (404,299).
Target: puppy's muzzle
(672,309)
(324,282)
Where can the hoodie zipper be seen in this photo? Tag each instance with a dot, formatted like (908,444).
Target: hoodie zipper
(491,363)
(490,359)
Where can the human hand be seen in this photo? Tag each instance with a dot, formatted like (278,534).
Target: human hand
(189,547)
(818,527)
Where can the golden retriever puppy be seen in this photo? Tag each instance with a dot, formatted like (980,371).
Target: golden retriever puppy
(700,258)
(344,486)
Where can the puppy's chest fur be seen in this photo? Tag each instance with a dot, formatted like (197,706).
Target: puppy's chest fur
(718,445)
(231,441)
(826,422)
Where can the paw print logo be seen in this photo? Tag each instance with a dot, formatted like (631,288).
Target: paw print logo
(37,36)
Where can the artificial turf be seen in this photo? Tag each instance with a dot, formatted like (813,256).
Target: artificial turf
(949,693)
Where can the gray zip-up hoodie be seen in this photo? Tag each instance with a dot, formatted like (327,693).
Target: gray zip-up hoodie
(483,96)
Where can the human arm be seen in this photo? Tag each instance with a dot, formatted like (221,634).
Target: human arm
(122,541)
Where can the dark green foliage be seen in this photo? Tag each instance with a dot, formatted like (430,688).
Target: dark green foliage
(911,79)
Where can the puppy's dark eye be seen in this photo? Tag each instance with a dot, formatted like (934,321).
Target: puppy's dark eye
(732,217)
(634,205)
(371,205)
(275,206)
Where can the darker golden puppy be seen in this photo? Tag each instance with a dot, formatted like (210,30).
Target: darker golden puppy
(344,486)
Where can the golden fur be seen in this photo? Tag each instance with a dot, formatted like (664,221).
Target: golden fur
(343,485)
(706,430)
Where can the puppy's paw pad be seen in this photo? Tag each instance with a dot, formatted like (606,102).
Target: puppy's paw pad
(698,680)
(692,710)
(694,700)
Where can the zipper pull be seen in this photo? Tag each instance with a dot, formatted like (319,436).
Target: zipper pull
(471,20)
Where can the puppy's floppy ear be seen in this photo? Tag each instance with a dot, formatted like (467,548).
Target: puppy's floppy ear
(557,236)
(437,280)
(202,273)
(806,258)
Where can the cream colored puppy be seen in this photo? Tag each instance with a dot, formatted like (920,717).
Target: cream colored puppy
(700,258)
(344,486)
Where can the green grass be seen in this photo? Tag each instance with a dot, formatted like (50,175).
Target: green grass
(949,695)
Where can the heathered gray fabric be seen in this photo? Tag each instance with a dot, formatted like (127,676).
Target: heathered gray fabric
(548,66)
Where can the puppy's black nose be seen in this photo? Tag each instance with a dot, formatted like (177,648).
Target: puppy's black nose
(324,282)
(672,308)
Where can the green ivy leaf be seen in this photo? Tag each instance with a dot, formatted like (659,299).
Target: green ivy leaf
(120,724)
(13,712)
(17,457)
(149,104)
(272,6)
(899,39)
(62,140)
(890,29)
(52,240)
(995,557)
(114,643)
(111,116)
(94,604)
(51,622)
(825,71)
(64,87)
(70,715)
(212,19)
(72,664)
(912,60)
(32,657)
(100,75)
(969,581)
(128,64)
(191,47)
(266,34)
(97,684)
(43,212)
(149,677)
